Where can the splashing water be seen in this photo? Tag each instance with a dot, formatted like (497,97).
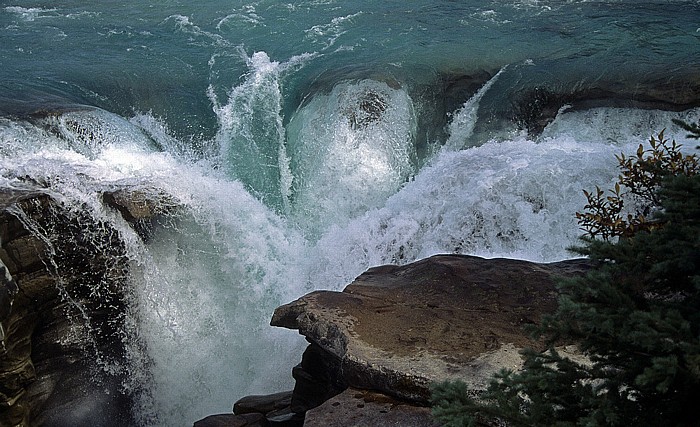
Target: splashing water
(226,252)
(349,151)
(290,171)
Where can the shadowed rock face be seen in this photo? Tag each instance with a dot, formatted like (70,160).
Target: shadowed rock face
(397,329)
(536,108)
(63,302)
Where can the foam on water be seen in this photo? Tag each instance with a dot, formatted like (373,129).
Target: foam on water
(349,150)
(31,13)
(251,136)
(619,125)
(205,283)
(85,131)
(245,16)
(213,278)
(327,34)
(307,173)
(511,198)
(514,198)
(210,275)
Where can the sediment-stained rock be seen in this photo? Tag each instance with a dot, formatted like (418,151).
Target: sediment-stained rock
(363,408)
(398,329)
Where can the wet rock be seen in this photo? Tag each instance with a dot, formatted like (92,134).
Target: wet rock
(276,409)
(63,299)
(8,290)
(436,102)
(367,109)
(397,329)
(316,382)
(316,379)
(535,108)
(262,404)
(140,207)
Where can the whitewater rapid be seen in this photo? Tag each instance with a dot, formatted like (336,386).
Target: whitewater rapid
(275,208)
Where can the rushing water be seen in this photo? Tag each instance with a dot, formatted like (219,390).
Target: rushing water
(307,141)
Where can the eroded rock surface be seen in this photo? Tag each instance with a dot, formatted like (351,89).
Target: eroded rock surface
(397,329)
(63,299)
(363,408)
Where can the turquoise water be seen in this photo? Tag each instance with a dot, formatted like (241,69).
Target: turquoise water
(132,56)
(307,141)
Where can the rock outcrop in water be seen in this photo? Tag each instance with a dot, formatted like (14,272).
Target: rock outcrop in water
(398,329)
(63,307)
(532,102)
(376,348)
(535,108)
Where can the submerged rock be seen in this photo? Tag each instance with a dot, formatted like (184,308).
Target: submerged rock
(398,329)
(88,130)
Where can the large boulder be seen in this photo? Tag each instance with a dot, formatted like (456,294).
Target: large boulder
(398,329)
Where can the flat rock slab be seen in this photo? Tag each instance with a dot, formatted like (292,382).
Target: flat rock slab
(231,420)
(262,403)
(362,408)
(397,329)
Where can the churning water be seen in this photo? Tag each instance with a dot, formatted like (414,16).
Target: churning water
(304,142)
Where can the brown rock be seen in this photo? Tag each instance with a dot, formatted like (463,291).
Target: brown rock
(399,329)
(316,379)
(139,207)
(63,295)
(362,408)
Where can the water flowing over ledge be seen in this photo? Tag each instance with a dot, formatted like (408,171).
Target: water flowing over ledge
(296,146)
(221,252)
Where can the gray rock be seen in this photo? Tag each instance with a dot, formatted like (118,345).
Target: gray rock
(316,379)
(231,420)
(8,290)
(262,404)
(140,207)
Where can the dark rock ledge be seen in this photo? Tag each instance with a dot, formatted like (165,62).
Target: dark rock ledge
(376,347)
(63,299)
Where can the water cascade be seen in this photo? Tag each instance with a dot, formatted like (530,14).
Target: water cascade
(281,142)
